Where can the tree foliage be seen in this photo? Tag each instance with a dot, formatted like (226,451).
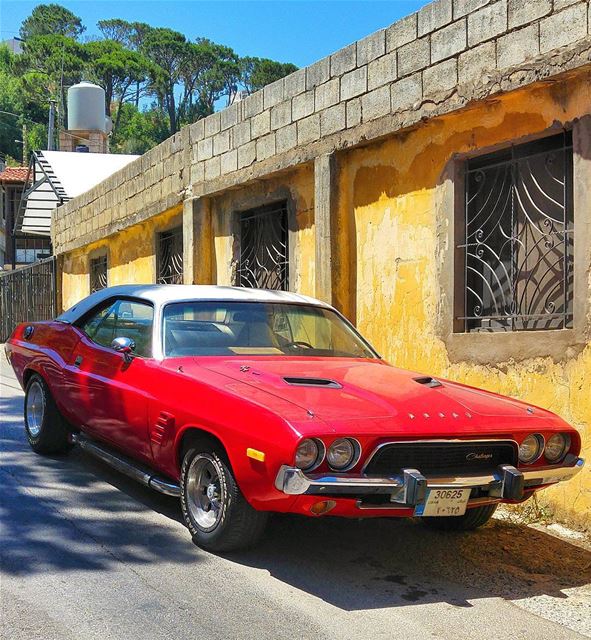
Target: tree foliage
(155,79)
(51,19)
(255,73)
(11,102)
(119,71)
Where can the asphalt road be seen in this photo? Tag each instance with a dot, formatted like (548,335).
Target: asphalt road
(87,553)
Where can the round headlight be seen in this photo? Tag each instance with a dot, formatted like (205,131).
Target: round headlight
(343,453)
(308,454)
(531,448)
(556,447)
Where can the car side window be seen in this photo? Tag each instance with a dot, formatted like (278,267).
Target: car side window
(122,319)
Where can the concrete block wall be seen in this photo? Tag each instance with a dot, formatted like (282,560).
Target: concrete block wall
(446,55)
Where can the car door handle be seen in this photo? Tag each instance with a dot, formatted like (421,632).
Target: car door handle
(78,361)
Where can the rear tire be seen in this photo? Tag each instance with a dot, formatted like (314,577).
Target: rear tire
(472,519)
(46,429)
(215,511)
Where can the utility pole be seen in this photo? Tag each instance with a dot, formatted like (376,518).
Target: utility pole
(51,127)
(25,148)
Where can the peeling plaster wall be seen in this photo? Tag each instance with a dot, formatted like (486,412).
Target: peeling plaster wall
(297,188)
(131,257)
(391,200)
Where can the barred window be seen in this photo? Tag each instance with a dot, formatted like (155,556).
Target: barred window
(98,273)
(263,248)
(169,256)
(517,239)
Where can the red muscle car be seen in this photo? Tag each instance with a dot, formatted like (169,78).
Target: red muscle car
(244,402)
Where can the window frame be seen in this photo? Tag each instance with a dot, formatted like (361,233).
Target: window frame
(510,160)
(93,259)
(104,304)
(174,230)
(492,348)
(282,206)
(161,314)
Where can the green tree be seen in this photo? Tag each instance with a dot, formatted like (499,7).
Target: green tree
(258,72)
(168,50)
(131,35)
(11,107)
(51,19)
(118,70)
(138,131)
(117,30)
(49,65)
(209,71)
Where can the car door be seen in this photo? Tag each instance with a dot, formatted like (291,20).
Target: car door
(109,394)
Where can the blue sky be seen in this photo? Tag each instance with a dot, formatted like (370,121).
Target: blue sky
(290,30)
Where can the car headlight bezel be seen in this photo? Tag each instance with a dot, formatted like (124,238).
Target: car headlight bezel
(313,462)
(537,452)
(352,459)
(565,447)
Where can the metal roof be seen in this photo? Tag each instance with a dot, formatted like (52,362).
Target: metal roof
(161,294)
(59,176)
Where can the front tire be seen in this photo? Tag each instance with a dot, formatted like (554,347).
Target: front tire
(472,519)
(46,429)
(215,511)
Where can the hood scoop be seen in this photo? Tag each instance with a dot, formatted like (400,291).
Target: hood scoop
(313,382)
(427,381)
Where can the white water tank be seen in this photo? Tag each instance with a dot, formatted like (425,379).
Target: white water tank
(86,107)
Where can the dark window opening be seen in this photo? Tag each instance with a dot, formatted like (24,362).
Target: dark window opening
(169,252)
(98,273)
(263,260)
(517,245)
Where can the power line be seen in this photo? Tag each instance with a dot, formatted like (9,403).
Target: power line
(43,124)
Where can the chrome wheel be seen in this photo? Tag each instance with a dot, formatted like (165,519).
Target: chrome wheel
(35,409)
(206,492)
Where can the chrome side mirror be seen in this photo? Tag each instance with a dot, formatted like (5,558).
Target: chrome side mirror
(123,345)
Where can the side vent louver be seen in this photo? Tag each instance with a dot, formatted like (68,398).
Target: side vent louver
(160,430)
(313,382)
(427,381)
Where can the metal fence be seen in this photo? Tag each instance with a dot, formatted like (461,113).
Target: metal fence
(27,294)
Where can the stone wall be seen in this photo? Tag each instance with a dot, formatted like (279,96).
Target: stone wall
(440,59)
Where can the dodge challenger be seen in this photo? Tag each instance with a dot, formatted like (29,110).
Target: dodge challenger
(244,402)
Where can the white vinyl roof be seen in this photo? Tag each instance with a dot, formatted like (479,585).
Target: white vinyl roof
(161,294)
(59,176)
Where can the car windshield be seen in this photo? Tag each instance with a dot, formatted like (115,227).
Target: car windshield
(257,328)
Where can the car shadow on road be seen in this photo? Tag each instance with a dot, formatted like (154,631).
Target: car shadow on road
(351,564)
(62,513)
(377,563)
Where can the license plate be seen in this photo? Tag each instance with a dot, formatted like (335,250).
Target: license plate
(444,502)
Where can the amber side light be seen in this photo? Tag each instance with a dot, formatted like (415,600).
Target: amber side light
(322,507)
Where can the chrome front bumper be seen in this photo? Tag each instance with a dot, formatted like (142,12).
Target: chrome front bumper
(410,486)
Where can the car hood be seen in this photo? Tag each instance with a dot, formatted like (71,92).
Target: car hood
(345,389)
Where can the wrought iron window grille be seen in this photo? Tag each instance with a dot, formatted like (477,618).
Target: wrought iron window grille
(517,246)
(170,257)
(98,273)
(264,262)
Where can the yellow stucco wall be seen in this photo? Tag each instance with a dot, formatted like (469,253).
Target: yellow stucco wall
(387,271)
(390,196)
(131,257)
(297,187)
(131,253)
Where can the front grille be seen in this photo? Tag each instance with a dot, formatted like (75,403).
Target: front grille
(433,458)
